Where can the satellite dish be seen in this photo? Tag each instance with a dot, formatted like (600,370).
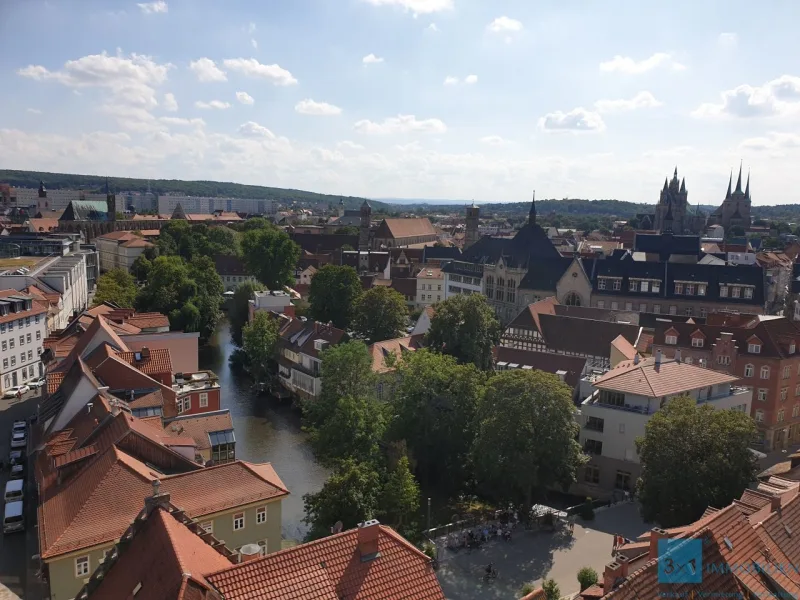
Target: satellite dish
(337,528)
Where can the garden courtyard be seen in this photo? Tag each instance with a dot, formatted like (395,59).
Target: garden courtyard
(535,556)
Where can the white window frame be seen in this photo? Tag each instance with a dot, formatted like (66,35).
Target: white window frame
(759,416)
(697,342)
(207,526)
(261,515)
(644,286)
(656,287)
(749,369)
(723,291)
(240,516)
(701,289)
(736,291)
(754,348)
(203,399)
(616,284)
(679,288)
(81,563)
(748,292)
(762,394)
(764,372)
(671,340)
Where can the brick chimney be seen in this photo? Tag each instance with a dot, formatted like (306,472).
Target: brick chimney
(614,572)
(368,532)
(145,352)
(249,552)
(655,535)
(158,498)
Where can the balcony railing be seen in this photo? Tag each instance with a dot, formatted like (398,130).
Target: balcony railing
(735,391)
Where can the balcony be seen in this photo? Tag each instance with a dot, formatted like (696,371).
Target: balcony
(594,400)
(734,391)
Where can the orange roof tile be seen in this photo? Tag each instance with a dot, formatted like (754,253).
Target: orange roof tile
(331,569)
(157,362)
(54,379)
(199,426)
(148,320)
(380,351)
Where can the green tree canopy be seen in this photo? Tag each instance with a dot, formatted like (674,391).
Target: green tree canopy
(269,254)
(353,430)
(199,239)
(347,230)
(587,577)
(259,343)
(380,314)
(400,498)
(333,295)
(465,327)
(116,286)
(434,409)
(239,309)
(693,457)
(526,443)
(140,268)
(350,495)
(209,294)
(346,372)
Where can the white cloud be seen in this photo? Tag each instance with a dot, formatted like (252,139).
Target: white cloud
(640,100)
(170,103)
(254,44)
(578,120)
(207,70)
(504,24)
(629,66)
(400,124)
(253,129)
(251,28)
(322,109)
(772,141)
(33,111)
(778,97)
(470,79)
(184,122)
(493,140)
(245,98)
(432,27)
(418,7)
(250,67)
(217,104)
(130,79)
(371,59)
(450,80)
(728,40)
(159,6)
(348,145)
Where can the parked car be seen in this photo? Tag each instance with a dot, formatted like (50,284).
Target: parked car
(19,426)
(16,457)
(17,472)
(14,517)
(37,383)
(18,439)
(17,390)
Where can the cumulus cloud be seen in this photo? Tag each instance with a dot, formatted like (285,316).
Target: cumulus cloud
(244,98)
(418,7)
(400,124)
(250,67)
(630,66)
(150,8)
(470,79)
(33,111)
(207,70)
(504,25)
(254,130)
(321,109)
(183,122)
(371,59)
(778,97)
(450,80)
(216,104)
(640,100)
(131,79)
(578,120)
(348,145)
(254,43)
(432,27)
(493,140)
(772,141)
(170,103)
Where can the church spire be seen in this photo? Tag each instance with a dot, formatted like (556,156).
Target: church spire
(739,181)
(747,188)
(730,181)
(532,213)
(666,183)
(683,185)
(675,174)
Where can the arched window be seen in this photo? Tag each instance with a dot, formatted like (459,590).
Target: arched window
(489,280)
(501,282)
(765,372)
(572,299)
(749,370)
(511,284)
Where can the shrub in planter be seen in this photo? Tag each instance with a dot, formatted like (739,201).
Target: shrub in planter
(587,577)
(587,510)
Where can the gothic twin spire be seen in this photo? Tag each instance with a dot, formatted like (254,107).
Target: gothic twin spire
(739,185)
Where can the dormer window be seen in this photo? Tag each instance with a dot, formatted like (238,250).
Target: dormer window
(754,348)
(748,292)
(723,291)
(678,288)
(736,292)
(791,348)
(633,286)
(617,284)
(690,289)
(645,285)
(656,287)
(601,283)
(671,339)
(701,289)
(697,342)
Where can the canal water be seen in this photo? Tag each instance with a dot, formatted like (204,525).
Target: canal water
(266,431)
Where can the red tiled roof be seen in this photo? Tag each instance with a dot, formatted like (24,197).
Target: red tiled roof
(148,320)
(166,558)
(54,379)
(396,347)
(403,228)
(158,362)
(119,375)
(332,569)
(199,426)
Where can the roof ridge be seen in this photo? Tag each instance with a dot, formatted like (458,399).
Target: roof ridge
(249,467)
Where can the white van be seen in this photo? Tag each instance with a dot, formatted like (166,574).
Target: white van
(13,518)
(14,491)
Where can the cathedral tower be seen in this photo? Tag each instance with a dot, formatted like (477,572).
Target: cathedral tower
(363,231)
(473,217)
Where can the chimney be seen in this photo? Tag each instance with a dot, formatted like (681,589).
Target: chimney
(636,359)
(158,498)
(249,552)
(368,539)
(145,352)
(677,355)
(658,360)
(614,573)
(655,535)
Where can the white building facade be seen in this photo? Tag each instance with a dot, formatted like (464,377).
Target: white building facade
(23,328)
(430,286)
(461,278)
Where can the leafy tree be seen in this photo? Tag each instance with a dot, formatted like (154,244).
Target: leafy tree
(380,313)
(222,240)
(116,286)
(346,372)
(551,590)
(347,230)
(350,495)
(140,268)
(259,343)
(465,327)
(526,436)
(587,577)
(239,310)
(693,448)
(353,430)
(269,254)
(209,294)
(400,498)
(434,409)
(333,295)
(736,231)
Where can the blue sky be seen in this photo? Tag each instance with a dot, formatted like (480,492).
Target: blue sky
(453,99)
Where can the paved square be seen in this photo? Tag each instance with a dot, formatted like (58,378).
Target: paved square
(535,556)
